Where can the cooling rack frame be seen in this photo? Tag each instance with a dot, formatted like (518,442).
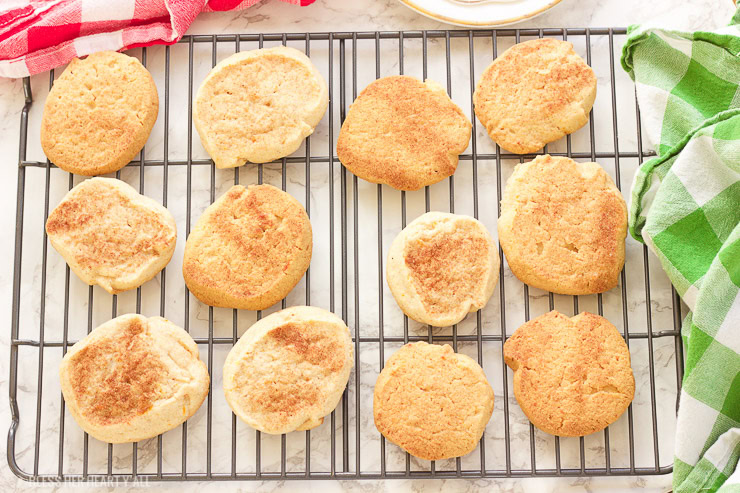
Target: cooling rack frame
(340,459)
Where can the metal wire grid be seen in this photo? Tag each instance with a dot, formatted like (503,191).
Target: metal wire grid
(309,160)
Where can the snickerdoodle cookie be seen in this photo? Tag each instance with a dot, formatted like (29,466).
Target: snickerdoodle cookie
(257,106)
(248,249)
(133,378)
(442,267)
(289,370)
(432,402)
(403,132)
(99,114)
(111,235)
(563,225)
(572,376)
(534,93)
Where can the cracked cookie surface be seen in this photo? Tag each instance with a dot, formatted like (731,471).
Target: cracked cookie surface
(248,249)
(432,402)
(563,225)
(133,378)
(572,376)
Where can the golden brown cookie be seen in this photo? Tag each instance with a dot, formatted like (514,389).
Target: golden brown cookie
(99,114)
(534,93)
(563,225)
(442,267)
(259,105)
(111,235)
(432,402)
(289,370)
(133,378)
(572,376)
(248,249)
(403,132)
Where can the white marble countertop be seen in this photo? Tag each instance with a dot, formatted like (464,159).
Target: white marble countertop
(347,15)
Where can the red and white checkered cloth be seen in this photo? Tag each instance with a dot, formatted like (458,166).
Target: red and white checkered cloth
(38,35)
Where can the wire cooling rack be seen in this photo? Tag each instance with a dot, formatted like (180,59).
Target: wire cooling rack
(354,222)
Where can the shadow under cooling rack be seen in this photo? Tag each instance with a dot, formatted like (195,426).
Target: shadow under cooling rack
(339,449)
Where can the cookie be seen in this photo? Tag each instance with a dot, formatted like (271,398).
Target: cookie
(563,225)
(572,376)
(133,378)
(111,235)
(432,402)
(534,93)
(442,267)
(248,249)
(404,133)
(258,106)
(289,370)
(99,114)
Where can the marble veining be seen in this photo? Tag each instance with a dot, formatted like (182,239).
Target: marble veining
(363,315)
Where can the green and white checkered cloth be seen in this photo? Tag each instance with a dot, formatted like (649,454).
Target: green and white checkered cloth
(686,207)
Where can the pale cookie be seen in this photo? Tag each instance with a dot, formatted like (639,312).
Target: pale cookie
(563,225)
(133,378)
(258,106)
(404,133)
(572,376)
(534,93)
(111,235)
(432,402)
(289,370)
(99,114)
(248,249)
(442,267)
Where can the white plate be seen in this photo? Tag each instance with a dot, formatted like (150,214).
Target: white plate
(487,14)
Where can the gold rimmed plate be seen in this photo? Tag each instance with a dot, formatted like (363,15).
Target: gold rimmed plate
(480,13)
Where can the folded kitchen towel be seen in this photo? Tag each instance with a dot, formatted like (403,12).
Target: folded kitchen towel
(685,206)
(38,35)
